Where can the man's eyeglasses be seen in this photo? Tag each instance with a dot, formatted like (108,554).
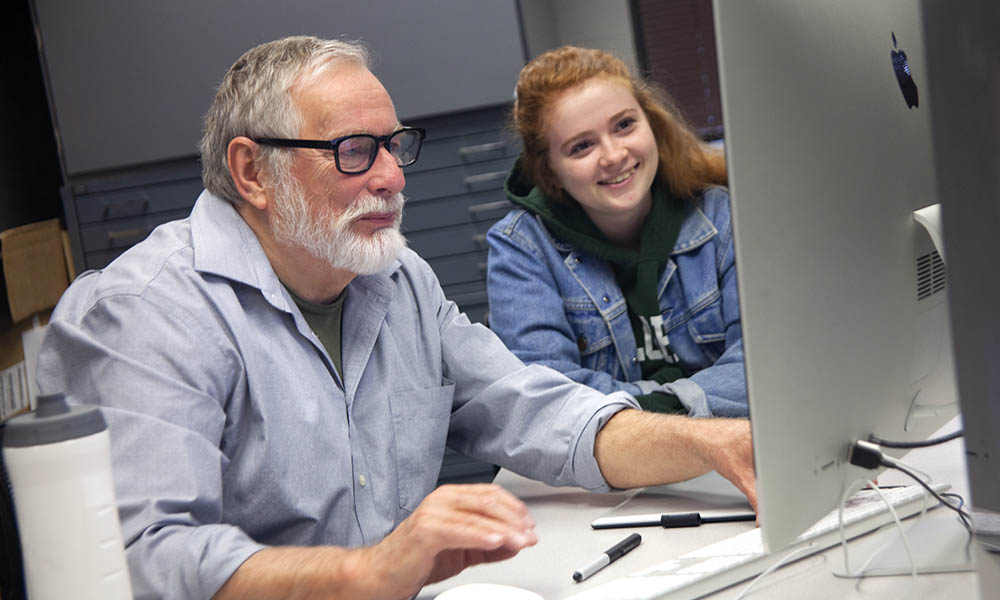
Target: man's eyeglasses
(356,153)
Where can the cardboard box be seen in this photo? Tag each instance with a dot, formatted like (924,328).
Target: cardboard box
(37,269)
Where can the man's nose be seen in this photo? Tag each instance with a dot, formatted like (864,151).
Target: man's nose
(386,176)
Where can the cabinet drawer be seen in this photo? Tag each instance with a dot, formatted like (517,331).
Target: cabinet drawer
(454,210)
(461,179)
(461,268)
(122,233)
(442,241)
(465,149)
(137,201)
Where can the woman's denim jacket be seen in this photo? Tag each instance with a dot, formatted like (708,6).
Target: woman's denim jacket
(554,305)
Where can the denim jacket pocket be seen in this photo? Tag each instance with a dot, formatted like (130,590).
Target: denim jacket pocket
(707,326)
(420,421)
(591,337)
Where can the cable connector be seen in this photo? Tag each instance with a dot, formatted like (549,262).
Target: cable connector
(866,455)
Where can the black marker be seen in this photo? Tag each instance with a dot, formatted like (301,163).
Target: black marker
(610,555)
(688,519)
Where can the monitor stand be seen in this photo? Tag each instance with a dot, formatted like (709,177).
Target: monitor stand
(939,543)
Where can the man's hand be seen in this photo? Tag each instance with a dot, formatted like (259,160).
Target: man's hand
(639,449)
(729,450)
(456,526)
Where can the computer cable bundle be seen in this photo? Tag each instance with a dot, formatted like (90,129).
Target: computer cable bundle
(899,525)
(868,455)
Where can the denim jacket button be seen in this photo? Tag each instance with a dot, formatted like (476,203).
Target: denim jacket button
(605,299)
(635,360)
(578,260)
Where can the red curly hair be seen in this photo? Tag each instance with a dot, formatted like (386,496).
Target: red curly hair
(686,163)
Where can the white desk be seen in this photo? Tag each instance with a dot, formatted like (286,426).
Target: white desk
(566,542)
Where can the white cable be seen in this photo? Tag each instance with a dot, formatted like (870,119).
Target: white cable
(843,539)
(848,491)
(899,524)
(777,565)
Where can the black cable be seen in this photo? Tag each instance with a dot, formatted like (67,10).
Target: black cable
(931,442)
(964,516)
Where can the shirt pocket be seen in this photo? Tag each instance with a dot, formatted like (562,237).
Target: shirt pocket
(420,420)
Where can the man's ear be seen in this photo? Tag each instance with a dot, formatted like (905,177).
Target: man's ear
(246,170)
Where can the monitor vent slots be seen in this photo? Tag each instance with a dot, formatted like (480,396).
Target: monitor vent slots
(930,275)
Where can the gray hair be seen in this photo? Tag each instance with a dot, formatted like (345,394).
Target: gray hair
(254,100)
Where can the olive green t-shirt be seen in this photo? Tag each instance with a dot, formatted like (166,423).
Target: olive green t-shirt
(325,321)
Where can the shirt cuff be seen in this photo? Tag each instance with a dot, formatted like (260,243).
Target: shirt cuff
(691,396)
(587,472)
(647,386)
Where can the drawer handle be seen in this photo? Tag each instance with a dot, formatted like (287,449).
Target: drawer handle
(127,234)
(473,180)
(109,207)
(489,206)
(466,151)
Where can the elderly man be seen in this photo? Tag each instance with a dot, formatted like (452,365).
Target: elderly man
(281,375)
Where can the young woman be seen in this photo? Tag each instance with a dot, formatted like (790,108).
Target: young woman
(617,267)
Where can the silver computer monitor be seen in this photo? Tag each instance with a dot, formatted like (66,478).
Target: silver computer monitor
(842,291)
(964,62)
(963,56)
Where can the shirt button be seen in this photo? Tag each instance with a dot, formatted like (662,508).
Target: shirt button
(362,480)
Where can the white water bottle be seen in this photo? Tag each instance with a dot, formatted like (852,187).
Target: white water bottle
(59,462)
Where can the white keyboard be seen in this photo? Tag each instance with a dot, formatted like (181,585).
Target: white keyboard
(742,556)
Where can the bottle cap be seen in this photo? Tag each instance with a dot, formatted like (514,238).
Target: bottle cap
(53,421)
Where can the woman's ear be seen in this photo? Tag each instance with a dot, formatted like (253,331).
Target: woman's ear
(246,170)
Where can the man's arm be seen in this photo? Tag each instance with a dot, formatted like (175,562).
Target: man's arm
(638,449)
(456,526)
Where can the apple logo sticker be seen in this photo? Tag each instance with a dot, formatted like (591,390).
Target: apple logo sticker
(902,68)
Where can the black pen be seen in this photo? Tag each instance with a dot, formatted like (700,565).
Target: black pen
(610,555)
(685,519)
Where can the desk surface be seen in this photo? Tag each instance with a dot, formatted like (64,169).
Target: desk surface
(566,542)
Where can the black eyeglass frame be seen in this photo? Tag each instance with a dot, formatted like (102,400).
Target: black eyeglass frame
(381,141)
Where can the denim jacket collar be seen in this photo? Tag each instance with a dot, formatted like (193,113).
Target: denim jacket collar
(696,231)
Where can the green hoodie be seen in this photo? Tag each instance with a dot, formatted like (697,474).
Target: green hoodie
(637,273)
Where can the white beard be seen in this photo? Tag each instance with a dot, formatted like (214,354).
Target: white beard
(329,237)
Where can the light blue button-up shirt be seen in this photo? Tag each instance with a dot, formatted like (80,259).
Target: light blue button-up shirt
(231,429)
